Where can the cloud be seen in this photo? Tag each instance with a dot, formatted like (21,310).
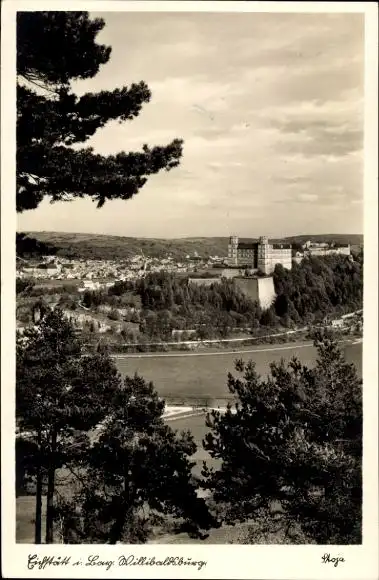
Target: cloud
(270,107)
(312,197)
(356,201)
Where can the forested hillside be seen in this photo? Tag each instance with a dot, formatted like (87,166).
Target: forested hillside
(317,287)
(103,247)
(99,247)
(312,290)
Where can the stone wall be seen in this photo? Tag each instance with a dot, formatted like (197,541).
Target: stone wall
(204,281)
(231,272)
(258,289)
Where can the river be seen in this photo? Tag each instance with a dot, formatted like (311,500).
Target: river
(204,374)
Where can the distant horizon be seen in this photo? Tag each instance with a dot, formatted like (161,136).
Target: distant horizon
(326,234)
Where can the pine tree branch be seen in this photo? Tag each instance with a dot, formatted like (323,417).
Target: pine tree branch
(28,78)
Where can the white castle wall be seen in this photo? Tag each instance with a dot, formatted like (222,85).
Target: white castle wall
(266,291)
(259,289)
(344,251)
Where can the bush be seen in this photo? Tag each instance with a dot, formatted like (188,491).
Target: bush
(268,318)
(24,285)
(114,315)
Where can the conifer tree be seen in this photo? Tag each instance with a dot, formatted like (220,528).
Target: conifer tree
(138,473)
(54,49)
(74,412)
(60,395)
(294,439)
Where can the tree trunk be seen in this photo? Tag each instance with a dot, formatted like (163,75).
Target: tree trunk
(38,521)
(50,493)
(118,526)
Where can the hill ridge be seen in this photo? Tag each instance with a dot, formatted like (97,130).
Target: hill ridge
(105,246)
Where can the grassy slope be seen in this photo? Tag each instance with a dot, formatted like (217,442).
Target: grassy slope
(103,246)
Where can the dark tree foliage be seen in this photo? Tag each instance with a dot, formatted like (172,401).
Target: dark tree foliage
(268,318)
(318,286)
(29,247)
(74,412)
(53,49)
(306,295)
(294,438)
(138,471)
(121,287)
(162,290)
(169,302)
(60,395)
(214,309)
(26,462)
(24,285)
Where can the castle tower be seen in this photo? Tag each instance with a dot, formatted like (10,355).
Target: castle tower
(233,251)
(264,255)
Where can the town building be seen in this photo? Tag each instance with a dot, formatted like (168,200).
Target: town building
(325,249)
(259,256)
(43,270)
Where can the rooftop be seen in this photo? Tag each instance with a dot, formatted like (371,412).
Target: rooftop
(247,245)
(282,246)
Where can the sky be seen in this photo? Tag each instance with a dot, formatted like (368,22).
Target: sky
(270,107)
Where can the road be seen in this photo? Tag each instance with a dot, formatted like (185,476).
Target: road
(210,352)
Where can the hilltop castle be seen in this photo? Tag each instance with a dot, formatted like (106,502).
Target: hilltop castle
(260,256)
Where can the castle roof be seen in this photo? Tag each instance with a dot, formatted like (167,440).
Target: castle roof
(252,243)
(247,245)
(282,246)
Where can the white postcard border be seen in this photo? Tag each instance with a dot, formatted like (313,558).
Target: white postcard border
(229,561)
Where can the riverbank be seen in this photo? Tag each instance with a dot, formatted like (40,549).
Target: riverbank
(347,325)
(240,349)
